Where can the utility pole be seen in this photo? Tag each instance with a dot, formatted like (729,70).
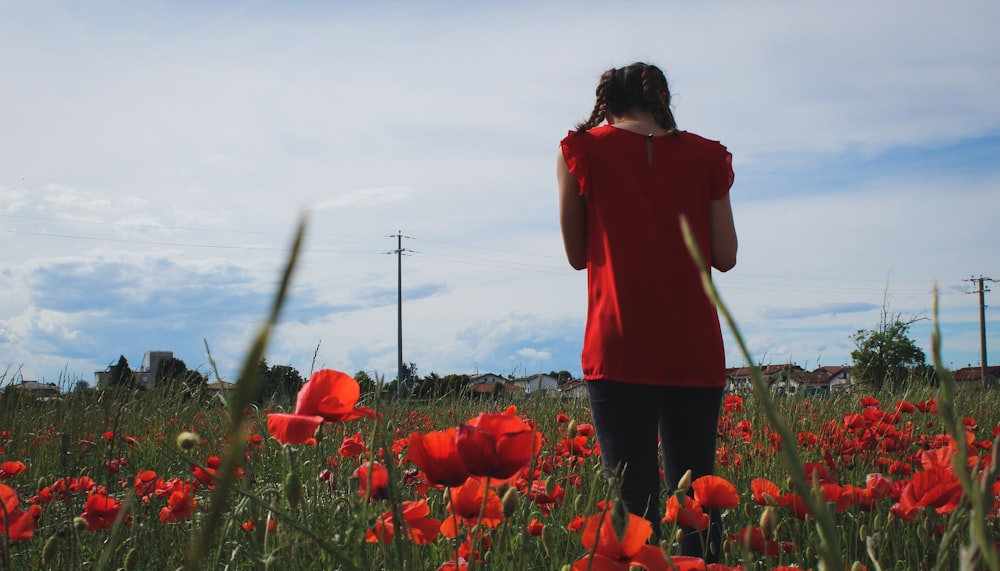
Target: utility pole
(400,393)
(982,289)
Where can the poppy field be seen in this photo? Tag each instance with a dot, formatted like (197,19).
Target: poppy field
(113,480)
(116,479)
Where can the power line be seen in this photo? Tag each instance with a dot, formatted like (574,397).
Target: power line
(982,289)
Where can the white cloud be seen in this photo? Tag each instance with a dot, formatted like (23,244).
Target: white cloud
(179,146)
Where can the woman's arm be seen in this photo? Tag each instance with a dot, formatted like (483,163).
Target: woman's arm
(723,235)
(572,216)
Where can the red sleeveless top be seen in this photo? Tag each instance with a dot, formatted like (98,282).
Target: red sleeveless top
(649,320)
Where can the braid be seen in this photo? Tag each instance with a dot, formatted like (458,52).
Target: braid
(601,105)
(656,96)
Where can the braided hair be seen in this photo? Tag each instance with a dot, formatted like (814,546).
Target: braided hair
(637,86)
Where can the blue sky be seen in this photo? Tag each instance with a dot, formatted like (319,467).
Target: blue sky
(157,156)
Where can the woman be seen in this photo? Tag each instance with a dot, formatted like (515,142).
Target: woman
(652,351)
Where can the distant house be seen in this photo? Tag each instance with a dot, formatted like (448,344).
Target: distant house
(738,379)
(967,376)
(220,389)
(41,391)
(573,388)
(839,377)
(489,384)
(542,382)
(145,375)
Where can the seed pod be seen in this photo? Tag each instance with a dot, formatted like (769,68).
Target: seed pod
(511,499)
(50,550)
(293,488)
(550,486)
(768,521)
(187,440)
(80,524)
(549,540)
(685,482)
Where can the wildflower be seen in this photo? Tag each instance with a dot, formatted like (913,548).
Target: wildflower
(379,477)
(467,501)
(332,395)
(352,446)
(100,511)
(689,514)
(715,492)
(292,428)
(420,528)
(437,456)
(180,505)
(609,553)
(18,524)
(10,469)
(496,445)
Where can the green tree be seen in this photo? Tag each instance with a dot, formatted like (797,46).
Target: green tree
(886,356)
(173,376)
(278,382)
(366,383)
(121,375)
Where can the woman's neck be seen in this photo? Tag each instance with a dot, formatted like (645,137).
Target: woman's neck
(638,121)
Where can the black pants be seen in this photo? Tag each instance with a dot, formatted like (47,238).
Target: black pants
(628,419)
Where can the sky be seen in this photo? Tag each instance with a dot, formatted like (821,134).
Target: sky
(157,157)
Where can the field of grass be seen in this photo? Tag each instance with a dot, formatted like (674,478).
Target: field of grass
(299,506)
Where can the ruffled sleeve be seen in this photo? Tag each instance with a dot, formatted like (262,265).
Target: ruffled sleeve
(574,151)
(722,176)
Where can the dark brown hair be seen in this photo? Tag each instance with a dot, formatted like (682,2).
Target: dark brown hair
(623,89)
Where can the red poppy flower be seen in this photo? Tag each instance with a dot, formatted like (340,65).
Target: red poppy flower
(419,528)
(466,503)
(19,524)
(763,488)
(753,538)
(332,395)
(379,480)
(100,511)
(180,505)
(688,515)
(686,563)
(436,454)
(292,428)
(715,492)
(608,553)
(938,488)
(496,445)
(10,469)
(145,482)
(352,446)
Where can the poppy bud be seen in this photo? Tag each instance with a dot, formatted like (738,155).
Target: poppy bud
(549,540)
(187,440)
(550,486)
(768,521)
(679,535)
(567,567)
(877,522)
(857,566)
(619,519)
(685,482)
(571,428)
(862,532)
(769,499)
(293,488)
(578,504)
(79,523)
(510,501)
(810,552)
(50,550)
(41,484)
(665,548)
